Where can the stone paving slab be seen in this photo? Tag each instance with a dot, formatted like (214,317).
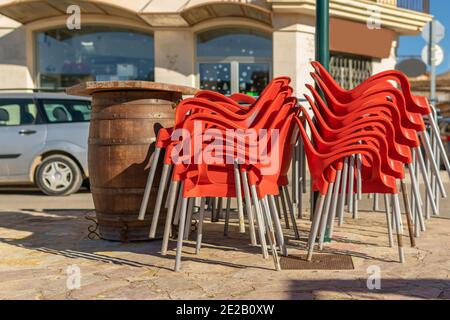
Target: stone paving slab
(37,247)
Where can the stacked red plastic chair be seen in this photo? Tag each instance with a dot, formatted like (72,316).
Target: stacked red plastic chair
(381,129)
(363,141)
(242,174)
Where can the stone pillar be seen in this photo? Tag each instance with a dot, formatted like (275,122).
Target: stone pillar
(174,57)
(14,72)
(294,49)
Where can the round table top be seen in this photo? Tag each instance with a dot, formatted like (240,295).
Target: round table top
(90,87)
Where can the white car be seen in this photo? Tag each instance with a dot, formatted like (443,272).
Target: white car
(43,141)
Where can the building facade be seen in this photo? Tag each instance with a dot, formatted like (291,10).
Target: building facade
(226,46)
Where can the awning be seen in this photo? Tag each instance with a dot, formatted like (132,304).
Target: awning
(358,39)
(174,15)
(26,11)
(200,13)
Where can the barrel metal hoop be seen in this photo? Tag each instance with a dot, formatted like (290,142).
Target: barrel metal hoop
(116,191)
(123,141)
(129,116)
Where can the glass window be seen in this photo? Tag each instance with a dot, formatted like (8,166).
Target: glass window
(228,42)
(63,111)
(253,77)
(216,77)
(68,57)
(17,112)
(234,60)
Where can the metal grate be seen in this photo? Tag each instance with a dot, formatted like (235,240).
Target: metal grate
(350,71)
(319,262)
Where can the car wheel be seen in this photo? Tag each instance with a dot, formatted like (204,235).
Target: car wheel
(58,175)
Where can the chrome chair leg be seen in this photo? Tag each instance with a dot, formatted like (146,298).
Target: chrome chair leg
(324,218)
(341,204)
(388,220)
(168,225)
(200,225)
(180,234)
(159,197)
(334,202)
(249,209)
(315,226)
(149,184)
(259,219)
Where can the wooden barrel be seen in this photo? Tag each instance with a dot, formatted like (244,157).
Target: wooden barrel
(123,130)
(126,117)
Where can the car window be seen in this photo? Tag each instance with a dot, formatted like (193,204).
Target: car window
(17,112)
(61,111)
(84,108)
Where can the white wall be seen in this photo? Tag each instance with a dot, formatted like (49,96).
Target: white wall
(294,49)
(174,57)
(14,72)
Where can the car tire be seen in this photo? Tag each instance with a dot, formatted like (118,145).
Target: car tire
(58,175)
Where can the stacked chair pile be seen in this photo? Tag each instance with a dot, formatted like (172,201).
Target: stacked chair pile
(361,141)
(244,174)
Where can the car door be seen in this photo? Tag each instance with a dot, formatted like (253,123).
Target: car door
(22,137)
(68,126)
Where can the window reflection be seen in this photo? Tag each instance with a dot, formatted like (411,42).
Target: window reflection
(216,77)
(234,60)
(253,78)
(228,42)
(67,57)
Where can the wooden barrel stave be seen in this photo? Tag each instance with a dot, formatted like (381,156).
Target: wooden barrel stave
(123,129)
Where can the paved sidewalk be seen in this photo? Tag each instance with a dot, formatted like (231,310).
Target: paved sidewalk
(38,249)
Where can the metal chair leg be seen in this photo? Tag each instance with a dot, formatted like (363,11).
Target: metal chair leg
(409,218)
(300,184)
(259,219)
(388,220)
(166,205)
(341,204)
(334,202)
(401,250)
(291,212)
(200,226)
(180,234)
(227,217)
(426,179)
(415,186)
(278,229)
(148,185)
(158,203)
(168,225)
(237,179)
(284,208)
(351,180)
(187,226)
(359,177)
(440,145)
(435,169)
(248,205)
(176,219)
(315,226)
(270,235)
(324,218)
(376,206)
(282,213)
